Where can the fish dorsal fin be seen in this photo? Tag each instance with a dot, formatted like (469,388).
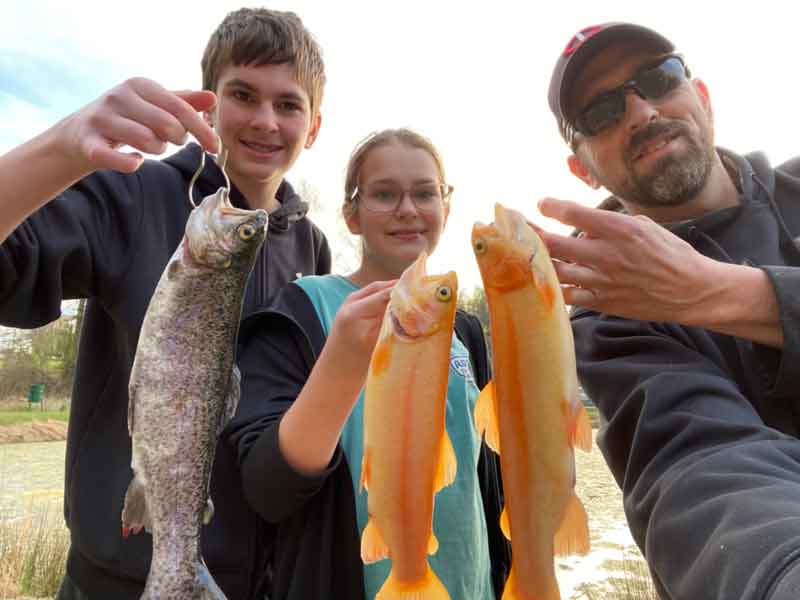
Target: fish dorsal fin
(373,546)
(446,472)
(485,415)
(572,536)
(433,544)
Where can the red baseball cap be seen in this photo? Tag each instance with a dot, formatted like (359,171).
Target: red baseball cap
(582,47)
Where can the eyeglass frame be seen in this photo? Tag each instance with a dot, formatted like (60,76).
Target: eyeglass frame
(575,124)
(446,191)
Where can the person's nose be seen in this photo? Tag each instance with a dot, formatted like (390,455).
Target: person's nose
(265,118)
(406,207)
(639,112)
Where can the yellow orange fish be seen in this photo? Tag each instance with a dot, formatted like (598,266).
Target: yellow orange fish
(531,412)
(408,455)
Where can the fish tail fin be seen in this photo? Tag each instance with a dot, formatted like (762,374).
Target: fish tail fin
(580,429)
(433,544)
(209,590)
(485,415)
(373,546)
(429,588)
(446,471)
(505,524)
(572,536)
(135,514)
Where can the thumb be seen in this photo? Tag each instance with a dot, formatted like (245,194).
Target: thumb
(201,100)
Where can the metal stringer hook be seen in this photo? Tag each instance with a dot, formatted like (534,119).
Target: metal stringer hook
(222,161)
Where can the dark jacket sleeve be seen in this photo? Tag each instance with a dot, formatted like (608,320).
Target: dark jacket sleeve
(710,492)
(277,351)
(76,246)
(786,283)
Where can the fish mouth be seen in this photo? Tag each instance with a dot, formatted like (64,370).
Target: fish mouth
(398,328)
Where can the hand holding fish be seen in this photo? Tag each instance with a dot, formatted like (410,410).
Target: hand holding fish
(345,361)
(633,267)
(141,114)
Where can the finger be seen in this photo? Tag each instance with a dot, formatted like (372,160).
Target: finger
(579,275)
(585,251)
(575,296)
(595,221)
(104,157)
(181,110)
(371,288)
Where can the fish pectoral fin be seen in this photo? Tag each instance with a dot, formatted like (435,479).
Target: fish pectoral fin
(134,510)
(209,590)
(433,544)
(572,536)
(373,547)
(366,469)
(485,415)
(446,473)
(505,524)
(428,587)
(580,429)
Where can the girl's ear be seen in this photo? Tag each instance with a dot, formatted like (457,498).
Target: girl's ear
(581,171)
(350,214)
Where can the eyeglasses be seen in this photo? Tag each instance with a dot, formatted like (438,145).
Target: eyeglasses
(650,83)
(386,197)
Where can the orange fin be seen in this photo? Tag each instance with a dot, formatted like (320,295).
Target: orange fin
(429,588)
(373,547)
(485,415)
(505,524)
(448,466)
(572,536)
(580,428)
(546,588)
(366,464)
(433,544)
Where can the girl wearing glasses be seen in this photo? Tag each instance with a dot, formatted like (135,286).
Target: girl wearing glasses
(304,363)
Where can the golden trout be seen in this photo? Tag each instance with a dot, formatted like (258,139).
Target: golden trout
(531,412)
(408,456)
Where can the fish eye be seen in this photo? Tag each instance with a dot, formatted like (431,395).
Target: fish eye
(480,246)
(444,293)
(247,231)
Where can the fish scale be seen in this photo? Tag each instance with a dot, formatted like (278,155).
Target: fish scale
(183,390)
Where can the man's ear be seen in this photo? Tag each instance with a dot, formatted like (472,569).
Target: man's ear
(313,131)
(705,97)
(581,171)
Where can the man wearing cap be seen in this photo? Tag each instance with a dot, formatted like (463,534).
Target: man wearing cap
(686,292)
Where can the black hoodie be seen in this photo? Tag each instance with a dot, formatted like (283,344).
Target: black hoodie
(702,428)
(108,238)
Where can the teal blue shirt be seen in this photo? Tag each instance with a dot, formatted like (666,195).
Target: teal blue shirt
(459,523)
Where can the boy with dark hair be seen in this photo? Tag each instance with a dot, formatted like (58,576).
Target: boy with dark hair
(81,219)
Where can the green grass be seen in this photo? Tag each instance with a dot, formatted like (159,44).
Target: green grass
(594,416)
(24,415)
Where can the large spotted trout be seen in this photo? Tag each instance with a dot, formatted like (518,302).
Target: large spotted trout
(183,390)
(408,456)
(531,412)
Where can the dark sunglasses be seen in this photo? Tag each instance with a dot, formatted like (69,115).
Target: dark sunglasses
(650,83)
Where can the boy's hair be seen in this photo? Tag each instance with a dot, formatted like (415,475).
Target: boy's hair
(259,36)
(376,139)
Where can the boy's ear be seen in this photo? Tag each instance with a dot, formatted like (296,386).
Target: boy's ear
(313,131)
(581,171)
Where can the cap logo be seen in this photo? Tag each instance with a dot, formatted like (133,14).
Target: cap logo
(579,38)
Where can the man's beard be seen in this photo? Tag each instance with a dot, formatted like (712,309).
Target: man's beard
(676,178)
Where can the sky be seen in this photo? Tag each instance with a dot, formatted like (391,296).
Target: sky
(472,76)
